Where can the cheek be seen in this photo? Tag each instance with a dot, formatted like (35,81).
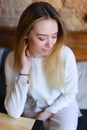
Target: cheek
(34,47)
(34,44)
(55,41)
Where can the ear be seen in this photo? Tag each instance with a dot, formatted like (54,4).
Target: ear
(26,39)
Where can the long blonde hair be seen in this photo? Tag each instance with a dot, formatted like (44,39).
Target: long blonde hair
(53,64)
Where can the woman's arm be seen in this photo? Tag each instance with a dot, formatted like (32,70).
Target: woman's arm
(16,89)
(44,115)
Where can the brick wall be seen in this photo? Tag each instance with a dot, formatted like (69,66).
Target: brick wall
(72,11)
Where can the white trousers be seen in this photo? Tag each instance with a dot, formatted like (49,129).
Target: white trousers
(65,119)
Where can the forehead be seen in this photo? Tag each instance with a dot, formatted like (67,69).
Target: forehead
(45,26)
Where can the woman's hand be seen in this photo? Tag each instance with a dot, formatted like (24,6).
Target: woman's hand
(44,116)
(26,60)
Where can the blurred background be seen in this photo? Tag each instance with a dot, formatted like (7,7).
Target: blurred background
(74,12)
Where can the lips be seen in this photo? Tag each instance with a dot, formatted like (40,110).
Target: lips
(45,51)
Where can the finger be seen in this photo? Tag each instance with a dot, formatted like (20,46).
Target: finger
(27,52)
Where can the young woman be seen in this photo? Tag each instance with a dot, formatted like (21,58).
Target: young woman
(41,74)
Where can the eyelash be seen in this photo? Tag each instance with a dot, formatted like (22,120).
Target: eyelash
(54,37)
(41,39)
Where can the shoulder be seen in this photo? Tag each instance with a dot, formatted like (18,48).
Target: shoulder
(9,60)
(9,68)
(69,62)
(10,56)
(67,54)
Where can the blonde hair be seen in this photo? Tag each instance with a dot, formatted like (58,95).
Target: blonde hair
(53,64)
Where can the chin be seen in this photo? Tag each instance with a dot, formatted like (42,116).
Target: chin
(39,55)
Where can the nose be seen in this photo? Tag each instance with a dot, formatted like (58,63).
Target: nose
(50,43)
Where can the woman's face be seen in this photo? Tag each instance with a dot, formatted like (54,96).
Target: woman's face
(42,37)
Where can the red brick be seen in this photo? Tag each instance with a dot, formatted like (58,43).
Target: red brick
(80,13)
(75,3)
(67,13)
(55,3)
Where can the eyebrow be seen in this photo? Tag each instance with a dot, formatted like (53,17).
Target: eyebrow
(45,34)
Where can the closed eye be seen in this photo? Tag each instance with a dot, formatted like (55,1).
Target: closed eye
(41,39)
(54,37)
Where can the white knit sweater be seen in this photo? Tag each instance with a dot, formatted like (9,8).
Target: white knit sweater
(52,99)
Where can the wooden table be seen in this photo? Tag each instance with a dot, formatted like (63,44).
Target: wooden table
(9,123)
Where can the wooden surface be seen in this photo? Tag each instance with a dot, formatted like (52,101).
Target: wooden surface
(8,123)
(77,41)
(80,51)
(7,36)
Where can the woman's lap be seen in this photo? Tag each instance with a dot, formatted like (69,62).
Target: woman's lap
(67,119)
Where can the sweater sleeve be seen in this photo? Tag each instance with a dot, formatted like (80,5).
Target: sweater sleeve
(70,87)
(16,90)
